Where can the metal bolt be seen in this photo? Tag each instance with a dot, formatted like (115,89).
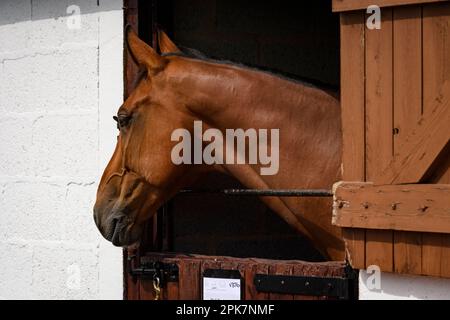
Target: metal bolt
(282,281)
(306,284)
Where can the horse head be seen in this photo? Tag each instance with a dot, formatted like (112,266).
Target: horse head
(173,91)
(140,176)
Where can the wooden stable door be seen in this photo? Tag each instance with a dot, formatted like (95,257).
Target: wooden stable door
(259,279)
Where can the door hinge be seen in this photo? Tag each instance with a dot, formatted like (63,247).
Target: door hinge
(337,287)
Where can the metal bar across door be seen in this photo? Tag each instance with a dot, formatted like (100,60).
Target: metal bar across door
(265,192)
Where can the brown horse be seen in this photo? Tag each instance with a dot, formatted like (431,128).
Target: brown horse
(172,92)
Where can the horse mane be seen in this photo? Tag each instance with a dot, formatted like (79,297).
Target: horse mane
(198,55)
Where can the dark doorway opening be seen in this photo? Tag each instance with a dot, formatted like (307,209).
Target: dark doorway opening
(300,39)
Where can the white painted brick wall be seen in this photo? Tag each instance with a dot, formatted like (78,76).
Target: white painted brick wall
(403,287)
(58,91)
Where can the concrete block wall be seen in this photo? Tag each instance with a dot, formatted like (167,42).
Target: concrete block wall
(59,88)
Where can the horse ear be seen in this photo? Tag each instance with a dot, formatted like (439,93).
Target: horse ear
(142,53)
(165,44)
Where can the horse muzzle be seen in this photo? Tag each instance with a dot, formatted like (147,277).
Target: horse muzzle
(117,228)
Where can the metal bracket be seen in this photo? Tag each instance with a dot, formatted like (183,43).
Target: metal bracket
(166,272)
(338,287)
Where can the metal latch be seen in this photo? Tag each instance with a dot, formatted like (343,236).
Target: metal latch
(166,272)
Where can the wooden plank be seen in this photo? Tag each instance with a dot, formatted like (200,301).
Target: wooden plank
(131,284)
(250,289)
(436,70)
(280,269)
(353,121)
(412,207)
(407,112)
(436,65)
(189,279)
(408,252)
(132,288)
(433,132)
(257,268)
(172,290)
(352,95)
(379,140)
(347,5)
(380,249)
(407,71)
(146,291)
(445,256)
(423,145)
(431,254)
(445,242)
(436,47)
(355,246)
(379,86)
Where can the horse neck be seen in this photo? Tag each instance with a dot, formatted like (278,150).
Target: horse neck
(225,96)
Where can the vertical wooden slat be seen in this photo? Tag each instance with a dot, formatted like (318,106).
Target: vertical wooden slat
(353,122)
(146,291)
(131,288)
(132,292)
(250,291)
(436,70)
(379,140)
(436,50)
(189,279)
(280,269)
(355,243)
(379,249)
(407,82)
(408,252)
(379,85)
(172,291)
(352,94)
(445,242)
(407,71)
(431,254)
(445,256)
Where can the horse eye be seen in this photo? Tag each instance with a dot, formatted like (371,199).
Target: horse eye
(122,120)
(116,120)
